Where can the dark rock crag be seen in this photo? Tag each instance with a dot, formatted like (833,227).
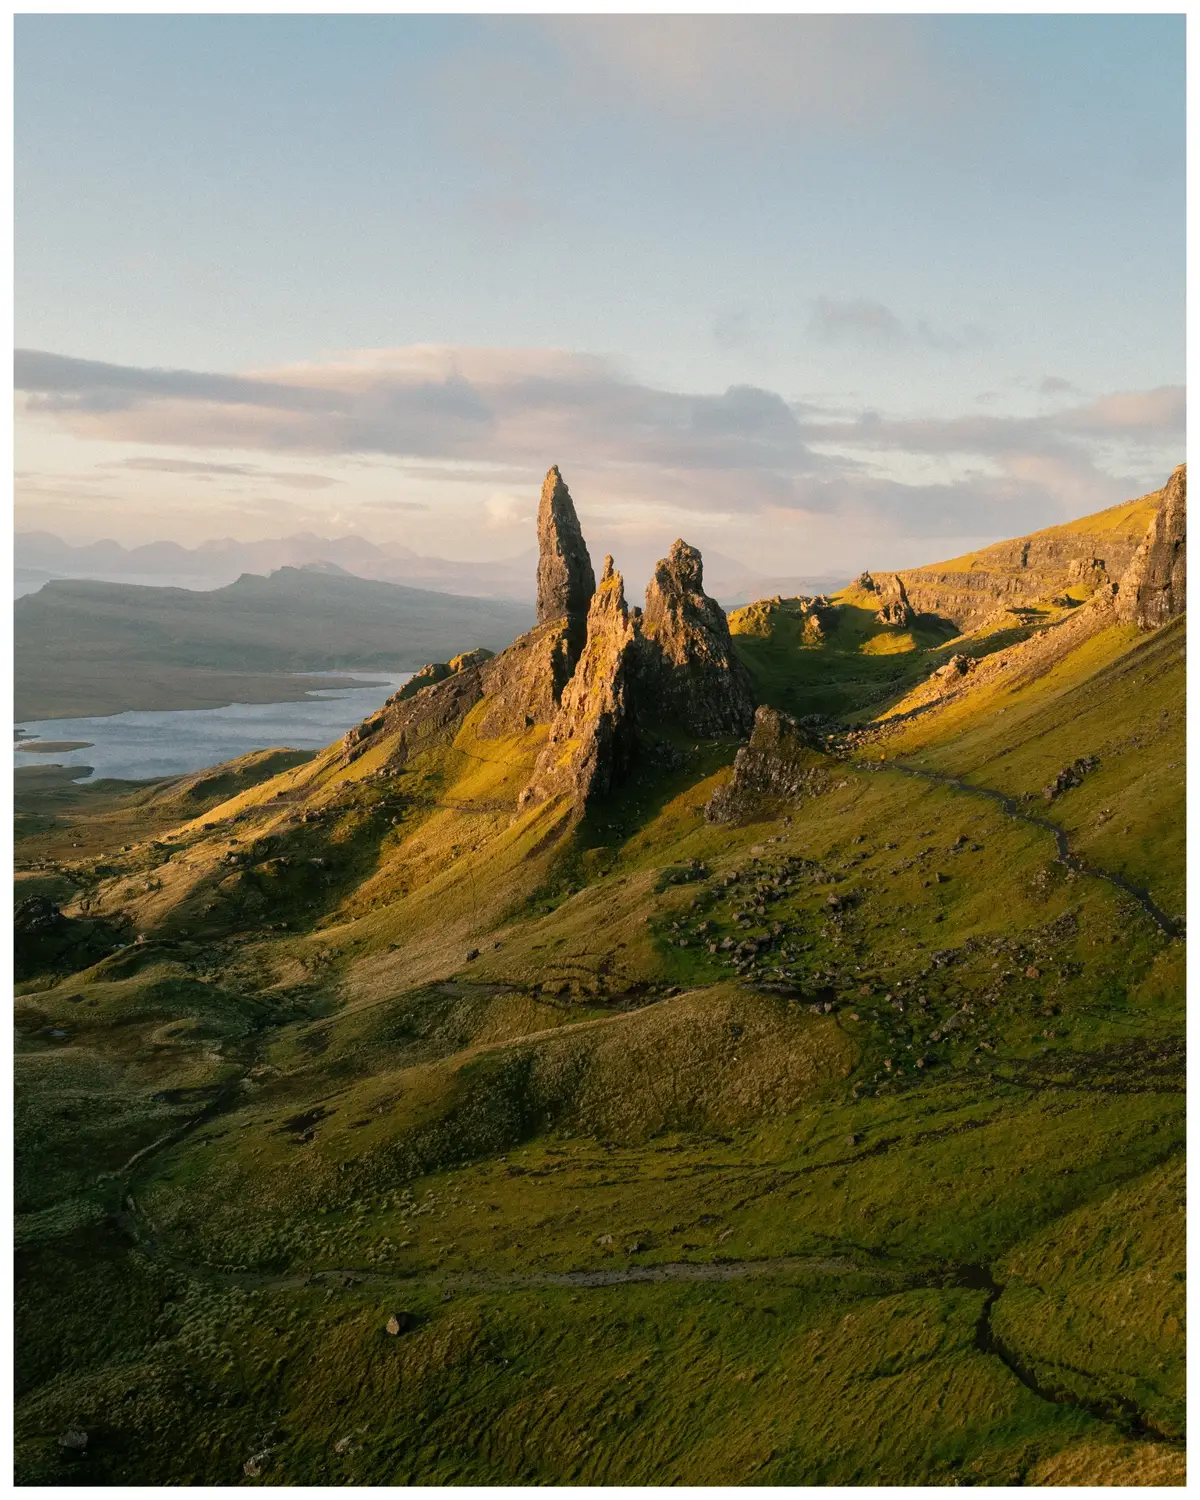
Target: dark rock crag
(1153,588)
(781,760)
(894,608)
(688,669)
(592,739)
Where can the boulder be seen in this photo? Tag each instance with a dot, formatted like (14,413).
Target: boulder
(687,668)
(1153,588)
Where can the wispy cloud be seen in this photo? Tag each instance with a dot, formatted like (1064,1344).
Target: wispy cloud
(210,471)
(863,323)
(494,419)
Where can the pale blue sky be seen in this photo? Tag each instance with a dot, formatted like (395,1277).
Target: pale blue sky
(969,229)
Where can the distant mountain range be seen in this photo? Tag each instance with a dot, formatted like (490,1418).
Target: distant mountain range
(40,556)
(85,647)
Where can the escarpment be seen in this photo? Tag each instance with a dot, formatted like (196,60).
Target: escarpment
(687,664)
(1069,562)
(1153,589)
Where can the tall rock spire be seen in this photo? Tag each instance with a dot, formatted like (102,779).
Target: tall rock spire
(591,741)
(565,578)
(692,671)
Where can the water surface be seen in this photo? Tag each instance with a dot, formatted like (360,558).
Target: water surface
(137,745)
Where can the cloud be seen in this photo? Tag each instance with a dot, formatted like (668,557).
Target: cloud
(752,69)
(862,322)
(488,422)
(210,471)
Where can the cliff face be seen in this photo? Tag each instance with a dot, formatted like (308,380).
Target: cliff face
(592,739)
(1153,588)
(686,661)
(1027,572)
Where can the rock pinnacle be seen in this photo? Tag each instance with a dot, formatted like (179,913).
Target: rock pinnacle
(565,578)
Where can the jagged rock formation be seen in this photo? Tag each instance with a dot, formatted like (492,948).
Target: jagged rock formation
(894,608)
(781,760)
(591,669)
(687,667)
(591,740)
(565,578)
(1153,588)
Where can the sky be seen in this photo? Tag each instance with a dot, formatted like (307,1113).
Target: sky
(820,292)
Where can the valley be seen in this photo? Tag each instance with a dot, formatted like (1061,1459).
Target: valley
(679,1048)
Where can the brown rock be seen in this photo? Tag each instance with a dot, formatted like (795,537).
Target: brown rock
(781,760)
(565,578)
(894,607)
(1154,586)
(591,739)
(688,669)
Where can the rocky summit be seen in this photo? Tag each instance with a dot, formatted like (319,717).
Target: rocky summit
(565,580)
(688,667)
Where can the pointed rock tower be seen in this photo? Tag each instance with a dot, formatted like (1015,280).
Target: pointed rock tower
(688,666)
(592,738)
(565,578)
(1154,587)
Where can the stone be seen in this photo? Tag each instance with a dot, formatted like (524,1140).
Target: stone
(894,608)
(1153,589)
(565,580)
(400,1322)
(74,1440)
(686,662)
(783,759)
(592,737)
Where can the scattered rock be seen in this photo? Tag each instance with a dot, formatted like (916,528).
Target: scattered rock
(1070,776)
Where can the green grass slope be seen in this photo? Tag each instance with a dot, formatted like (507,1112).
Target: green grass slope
(841,1144)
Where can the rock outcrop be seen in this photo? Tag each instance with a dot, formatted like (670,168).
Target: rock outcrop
(687,667)
(1153,588)
(598,674)
(565,578)
(894,608)
(592,738)
(781,760)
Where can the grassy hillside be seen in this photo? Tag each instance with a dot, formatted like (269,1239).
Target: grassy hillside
(410,1139)
(87,648)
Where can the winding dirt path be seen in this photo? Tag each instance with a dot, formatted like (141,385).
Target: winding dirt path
(1014,808)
